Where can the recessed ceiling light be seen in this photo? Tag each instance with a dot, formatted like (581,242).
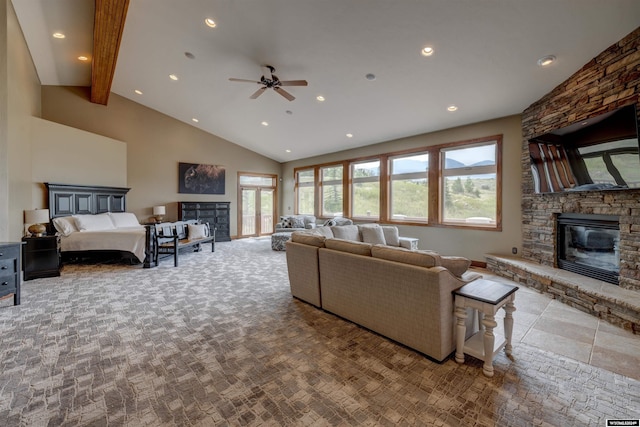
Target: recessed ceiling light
(264,123)
(546,60)
(349,135)
(320,98)
(139,92)
(452,108)
(83,58)
(370,77)
(427,51)
(173,77)
(195,120)
(210,22)
(287,150)
(59,35)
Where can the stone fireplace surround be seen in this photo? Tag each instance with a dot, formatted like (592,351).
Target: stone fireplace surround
(609,81)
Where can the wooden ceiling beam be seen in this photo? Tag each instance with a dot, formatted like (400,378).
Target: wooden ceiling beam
(108,25)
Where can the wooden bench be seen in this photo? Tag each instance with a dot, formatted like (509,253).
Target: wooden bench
(172,236)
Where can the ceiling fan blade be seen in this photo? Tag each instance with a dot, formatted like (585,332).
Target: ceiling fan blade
(258,92)
(293,83)
(243,80)
(284,93)
(267,71)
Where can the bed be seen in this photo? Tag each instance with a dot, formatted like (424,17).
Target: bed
(92,222)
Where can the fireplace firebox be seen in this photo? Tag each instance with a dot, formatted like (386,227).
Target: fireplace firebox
(589,245)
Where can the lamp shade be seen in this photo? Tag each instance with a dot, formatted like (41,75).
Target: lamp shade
(36,216)
(159,210)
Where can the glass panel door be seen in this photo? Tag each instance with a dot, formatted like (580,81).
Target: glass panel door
(249,212)
(267,210)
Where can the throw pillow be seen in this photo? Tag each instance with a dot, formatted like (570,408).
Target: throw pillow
(372,234)
(330,222)
(124,219)
(287,223)
(197,231)
(347,232)
(391,235)
(324,231)
(297,222)
(456,264)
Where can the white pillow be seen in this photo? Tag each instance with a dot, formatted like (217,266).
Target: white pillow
(198,231)
(372,234)
(65,225)
(124,219)
(99,222)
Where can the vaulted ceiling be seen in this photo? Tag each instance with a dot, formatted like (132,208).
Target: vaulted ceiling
(484,61)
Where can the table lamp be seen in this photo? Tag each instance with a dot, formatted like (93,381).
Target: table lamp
(37,218)
(158,213)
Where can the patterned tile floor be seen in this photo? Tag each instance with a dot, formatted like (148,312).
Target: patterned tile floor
(219,341)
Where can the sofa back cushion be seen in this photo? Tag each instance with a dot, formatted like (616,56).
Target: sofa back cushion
(456,264)
(346,232)
(354,247)
(306,238)
(391,235)
(426,259)
(372,233)
(324,231)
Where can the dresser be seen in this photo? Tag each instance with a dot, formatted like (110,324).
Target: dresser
(215,213)
(10,270)
(41,257)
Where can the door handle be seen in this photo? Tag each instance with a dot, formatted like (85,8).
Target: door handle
(4,267)
(5,283)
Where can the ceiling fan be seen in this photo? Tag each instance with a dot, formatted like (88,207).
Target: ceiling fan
(271,81)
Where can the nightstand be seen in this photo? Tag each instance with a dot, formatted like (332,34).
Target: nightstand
(41,257)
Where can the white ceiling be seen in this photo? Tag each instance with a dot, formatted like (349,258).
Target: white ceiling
(484,61)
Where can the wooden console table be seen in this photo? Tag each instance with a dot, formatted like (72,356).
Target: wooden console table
(485,297)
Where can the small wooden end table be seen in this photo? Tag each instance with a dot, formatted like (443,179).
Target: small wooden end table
(485,297)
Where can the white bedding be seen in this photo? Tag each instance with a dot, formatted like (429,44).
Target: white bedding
(130,239)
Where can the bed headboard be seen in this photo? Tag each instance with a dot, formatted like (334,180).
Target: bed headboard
(65,199)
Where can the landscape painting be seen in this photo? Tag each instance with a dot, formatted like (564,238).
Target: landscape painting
(196,178)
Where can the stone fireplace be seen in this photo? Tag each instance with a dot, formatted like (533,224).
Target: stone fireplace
(609,81)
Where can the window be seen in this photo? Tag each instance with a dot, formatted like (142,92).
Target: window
(365,189)
(331,190)
(305,188)
(469,184)
(409,191)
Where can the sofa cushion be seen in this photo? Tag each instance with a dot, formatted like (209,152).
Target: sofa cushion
(324,231)
(306,238)
(391,235)
(309,221)
(456,264)
(372,233)
(420,258)
(297,222)
(346,232)
(354,247)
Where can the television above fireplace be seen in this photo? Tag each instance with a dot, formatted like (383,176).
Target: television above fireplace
(599,153)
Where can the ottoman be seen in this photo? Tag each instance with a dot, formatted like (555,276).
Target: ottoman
(278,241)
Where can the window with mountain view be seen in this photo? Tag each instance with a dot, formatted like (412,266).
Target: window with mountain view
(469,189)
(365,189)
(331,190)
(409,189)
(305,190)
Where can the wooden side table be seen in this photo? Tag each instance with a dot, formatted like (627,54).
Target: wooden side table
(485,297)
(41,257)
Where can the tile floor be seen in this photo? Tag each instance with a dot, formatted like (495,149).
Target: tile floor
(550,325)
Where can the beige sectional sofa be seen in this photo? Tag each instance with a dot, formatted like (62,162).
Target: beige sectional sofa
(402,294)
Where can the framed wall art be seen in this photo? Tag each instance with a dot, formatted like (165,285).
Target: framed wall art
(194,178)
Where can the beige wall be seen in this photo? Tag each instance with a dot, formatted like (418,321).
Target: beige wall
(155,144)
(472,244)
(20,94)
(65,155)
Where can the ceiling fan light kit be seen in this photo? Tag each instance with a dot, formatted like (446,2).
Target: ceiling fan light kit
(271,81)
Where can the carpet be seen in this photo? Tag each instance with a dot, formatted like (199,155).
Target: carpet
(220,341)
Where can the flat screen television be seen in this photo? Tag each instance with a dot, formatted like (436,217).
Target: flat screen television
(600,153)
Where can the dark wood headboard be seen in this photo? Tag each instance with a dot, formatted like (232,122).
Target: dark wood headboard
(65,199)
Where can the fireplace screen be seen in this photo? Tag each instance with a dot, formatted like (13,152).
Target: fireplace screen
(588,245)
